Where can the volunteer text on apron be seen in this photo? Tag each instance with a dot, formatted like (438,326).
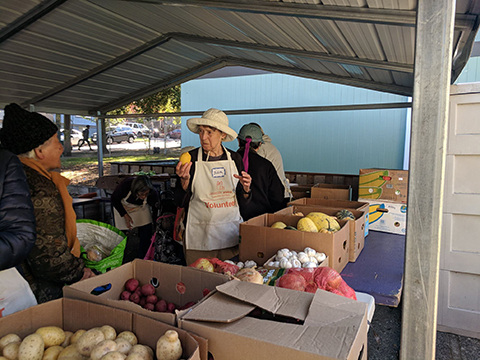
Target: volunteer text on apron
(140,214)
(213,216)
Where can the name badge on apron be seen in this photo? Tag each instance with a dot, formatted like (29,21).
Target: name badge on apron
(213,216)
(140,214)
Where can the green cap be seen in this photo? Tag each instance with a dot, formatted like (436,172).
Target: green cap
(251,131)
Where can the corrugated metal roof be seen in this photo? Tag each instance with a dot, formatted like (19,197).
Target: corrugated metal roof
(84,56)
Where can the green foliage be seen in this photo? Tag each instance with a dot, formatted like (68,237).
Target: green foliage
(164,101)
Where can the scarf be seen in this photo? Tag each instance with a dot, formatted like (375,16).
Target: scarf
(70,216)
(245,153)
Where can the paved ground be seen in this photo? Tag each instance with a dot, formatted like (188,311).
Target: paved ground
(385,332)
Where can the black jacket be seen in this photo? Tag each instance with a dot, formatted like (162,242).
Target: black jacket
(267,188)
(17,220)
(122,190)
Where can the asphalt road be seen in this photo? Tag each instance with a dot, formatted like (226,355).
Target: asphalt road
(138,144)
(385,333)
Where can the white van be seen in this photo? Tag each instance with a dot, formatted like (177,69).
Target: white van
(138,128)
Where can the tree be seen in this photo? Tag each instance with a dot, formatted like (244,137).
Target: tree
(164,101)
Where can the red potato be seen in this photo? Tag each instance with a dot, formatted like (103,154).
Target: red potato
(149,306)
(131,284)
(161,306)
(138,291)
(125,295)
(148,289)
(152,299)
(135,298)
(171,307)
(143,300)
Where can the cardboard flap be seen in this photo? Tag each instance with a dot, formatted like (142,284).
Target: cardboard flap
(331,309)
(276,300)
(219,308)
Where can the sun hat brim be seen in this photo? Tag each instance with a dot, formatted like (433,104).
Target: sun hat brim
(194,123)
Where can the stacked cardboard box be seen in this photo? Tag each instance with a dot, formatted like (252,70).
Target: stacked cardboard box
(330,192)
(258,241)
(317,326)
(386,193)
(73,315)
(338,204)
(357,229)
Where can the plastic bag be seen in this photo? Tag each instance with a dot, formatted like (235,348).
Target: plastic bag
(102,245)
(311,279)
(15,293)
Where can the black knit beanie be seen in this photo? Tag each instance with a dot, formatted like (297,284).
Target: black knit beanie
(24,130)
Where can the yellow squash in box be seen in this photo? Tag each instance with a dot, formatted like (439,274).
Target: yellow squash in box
(306,224)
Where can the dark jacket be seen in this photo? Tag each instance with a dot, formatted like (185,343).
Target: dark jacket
(50,265)
(182,197)
(267,188)
(17,221)
(121,191)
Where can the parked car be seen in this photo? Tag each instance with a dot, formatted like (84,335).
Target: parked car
(139,129)
(175,134)
(117,134)
(75,136)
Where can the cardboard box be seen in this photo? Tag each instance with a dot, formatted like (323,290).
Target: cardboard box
(357,229)
(73,315)
(300,191)
(388,216)
(258,241)
(349,205)
(193,280)
(383,184)
(322,325)
(330,192)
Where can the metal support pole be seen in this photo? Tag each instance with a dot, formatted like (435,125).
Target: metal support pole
(100,132)
(432,74)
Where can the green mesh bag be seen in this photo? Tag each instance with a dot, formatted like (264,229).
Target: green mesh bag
(102,245)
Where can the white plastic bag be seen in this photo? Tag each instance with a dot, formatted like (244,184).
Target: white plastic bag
(15,293)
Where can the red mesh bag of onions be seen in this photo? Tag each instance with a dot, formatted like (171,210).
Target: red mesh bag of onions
(311,279)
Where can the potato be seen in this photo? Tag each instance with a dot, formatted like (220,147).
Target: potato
(114,355)
(103,348)
(66,342)
(123,345)
(129,336)
(10,351)
(51,335)
(7,339)
(76,335)
(135,356)
(88,340)
(71,353)
(52,352)
(144,351)
(31,348)
(109,332)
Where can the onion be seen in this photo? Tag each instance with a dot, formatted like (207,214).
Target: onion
(249,275)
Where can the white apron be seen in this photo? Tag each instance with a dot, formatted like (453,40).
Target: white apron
(213,215)
(140,214)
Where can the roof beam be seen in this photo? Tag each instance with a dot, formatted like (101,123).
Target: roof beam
(354,107)
(384,65)
(222,62)
(368,84)
(164,84)
(28,18)
(99,69)
(341,13)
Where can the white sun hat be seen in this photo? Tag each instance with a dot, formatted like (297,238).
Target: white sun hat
(214,118)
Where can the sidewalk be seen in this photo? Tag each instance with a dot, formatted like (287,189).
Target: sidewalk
(385,333)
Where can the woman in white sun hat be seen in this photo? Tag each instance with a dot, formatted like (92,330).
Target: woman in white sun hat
(212,188)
